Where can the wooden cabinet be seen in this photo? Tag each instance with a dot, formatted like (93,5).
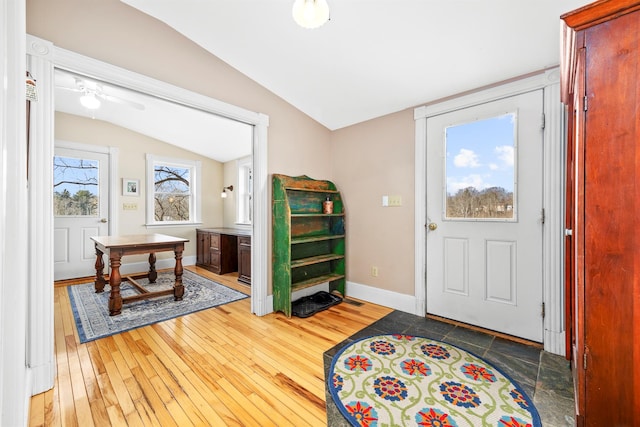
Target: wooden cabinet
(217,249)
(244,259)
(308,244)
(601,87)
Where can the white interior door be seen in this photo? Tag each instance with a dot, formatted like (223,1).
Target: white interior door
(81,206)
(484,209)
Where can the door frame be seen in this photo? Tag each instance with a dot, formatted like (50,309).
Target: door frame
(42,57)
(112,182)
(553,194)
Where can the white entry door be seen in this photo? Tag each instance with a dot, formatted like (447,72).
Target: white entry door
(81,205)
(484,209)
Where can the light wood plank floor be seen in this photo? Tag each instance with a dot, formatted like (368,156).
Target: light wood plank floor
(222,366)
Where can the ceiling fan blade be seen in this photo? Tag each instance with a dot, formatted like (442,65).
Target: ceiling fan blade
(71,89)
(123,101)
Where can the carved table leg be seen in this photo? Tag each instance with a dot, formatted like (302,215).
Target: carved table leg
(153,274)
(178,288)
(115,299)
(99,265)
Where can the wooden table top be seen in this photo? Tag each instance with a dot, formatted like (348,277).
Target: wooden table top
(136,240)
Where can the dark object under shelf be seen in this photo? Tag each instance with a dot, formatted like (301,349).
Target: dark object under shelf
(310,305)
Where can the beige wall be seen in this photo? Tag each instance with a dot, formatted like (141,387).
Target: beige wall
(110,31)
(373,159)
(365,161)
(113,32)
(230,173)
(132,150)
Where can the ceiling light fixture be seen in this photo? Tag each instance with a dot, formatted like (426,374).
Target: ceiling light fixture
(310,13)
(90,101)
(224,191)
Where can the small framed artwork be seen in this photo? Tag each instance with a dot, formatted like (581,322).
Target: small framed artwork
(130,187)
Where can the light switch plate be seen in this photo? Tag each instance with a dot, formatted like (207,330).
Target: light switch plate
(395,200)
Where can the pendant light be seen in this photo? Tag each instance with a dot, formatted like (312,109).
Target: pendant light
(310,13)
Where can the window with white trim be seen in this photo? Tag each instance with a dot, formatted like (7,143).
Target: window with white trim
(244,206)
(173,191)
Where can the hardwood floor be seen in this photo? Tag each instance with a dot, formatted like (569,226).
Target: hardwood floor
(222,366)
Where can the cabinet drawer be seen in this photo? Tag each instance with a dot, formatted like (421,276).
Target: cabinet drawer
(215,241)
(244,241)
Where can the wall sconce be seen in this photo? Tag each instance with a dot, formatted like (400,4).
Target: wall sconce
(224,191)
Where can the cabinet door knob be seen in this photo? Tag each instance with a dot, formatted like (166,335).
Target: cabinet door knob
(433,226)
(103,220)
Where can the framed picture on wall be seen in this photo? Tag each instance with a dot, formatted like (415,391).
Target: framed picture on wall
(130,187)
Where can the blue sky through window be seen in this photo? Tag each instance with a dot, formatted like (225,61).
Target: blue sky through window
(74,174)
(480,154)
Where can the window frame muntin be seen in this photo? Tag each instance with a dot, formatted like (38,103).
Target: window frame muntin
(195,204)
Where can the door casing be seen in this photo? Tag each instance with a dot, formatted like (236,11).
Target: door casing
(553,199)
(495,265)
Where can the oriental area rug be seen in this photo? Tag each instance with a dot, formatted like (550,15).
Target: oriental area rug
(91,312)
(402,380)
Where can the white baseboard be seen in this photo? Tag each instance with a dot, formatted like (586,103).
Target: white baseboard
(28,375)
(395,300)
(268,305)
(42,377)
(555,342)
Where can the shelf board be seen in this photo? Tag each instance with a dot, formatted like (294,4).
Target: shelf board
(310,215)
(315,281)
(315,260)
(309,239)
(311,190)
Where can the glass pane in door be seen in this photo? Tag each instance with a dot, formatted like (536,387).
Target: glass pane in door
(480,169)
(75,186)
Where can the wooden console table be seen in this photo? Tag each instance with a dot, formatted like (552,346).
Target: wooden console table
(119,246)
(225,250)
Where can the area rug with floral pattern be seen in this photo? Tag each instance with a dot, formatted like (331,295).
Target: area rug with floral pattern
(91,312)
(403,380)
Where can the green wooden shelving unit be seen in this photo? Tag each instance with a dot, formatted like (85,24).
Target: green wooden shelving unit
(308,245)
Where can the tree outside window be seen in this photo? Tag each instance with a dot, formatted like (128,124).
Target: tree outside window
(481,169)
(173,196)
(75,186)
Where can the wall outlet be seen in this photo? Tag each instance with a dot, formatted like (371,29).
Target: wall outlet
(385,201)
(395,200)
(129,206)
(374,271)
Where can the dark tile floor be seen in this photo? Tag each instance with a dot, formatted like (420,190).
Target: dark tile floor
(545,377)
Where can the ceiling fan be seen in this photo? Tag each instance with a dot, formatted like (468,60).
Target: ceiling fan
(93,92)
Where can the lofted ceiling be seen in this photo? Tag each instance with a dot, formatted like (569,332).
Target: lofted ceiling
(201,132)
(373,57)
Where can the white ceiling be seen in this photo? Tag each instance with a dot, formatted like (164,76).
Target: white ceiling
(194,130)
(373,57)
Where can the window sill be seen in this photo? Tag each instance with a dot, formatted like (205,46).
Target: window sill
(174,225)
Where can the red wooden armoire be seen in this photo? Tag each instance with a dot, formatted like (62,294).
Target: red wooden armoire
(601,88)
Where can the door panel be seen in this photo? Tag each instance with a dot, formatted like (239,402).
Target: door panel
(501,269)
(484,206)
(81,204)
(456,279)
